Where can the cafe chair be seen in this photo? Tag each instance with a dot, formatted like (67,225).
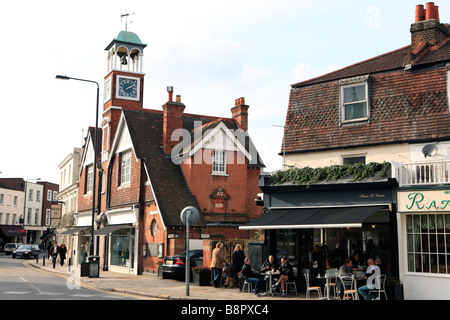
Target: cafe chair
(349,284)
(332,275)
(309,289)
(292,283)
(380,283)
(248,285)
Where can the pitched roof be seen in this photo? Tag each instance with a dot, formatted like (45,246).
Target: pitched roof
(388,61)
(405,105)
(170,189)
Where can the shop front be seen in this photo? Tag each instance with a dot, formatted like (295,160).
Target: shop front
(119,242)
(319,226)
(424,242)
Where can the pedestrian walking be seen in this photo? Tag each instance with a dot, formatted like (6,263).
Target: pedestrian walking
(217,264)
(62,253)
(54,253)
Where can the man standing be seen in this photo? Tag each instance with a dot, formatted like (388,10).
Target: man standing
(54,253)
(217,264)
(371,274)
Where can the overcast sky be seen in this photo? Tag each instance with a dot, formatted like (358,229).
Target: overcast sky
(211,52)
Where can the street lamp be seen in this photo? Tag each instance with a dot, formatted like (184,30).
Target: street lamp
(284,145)
(59,77)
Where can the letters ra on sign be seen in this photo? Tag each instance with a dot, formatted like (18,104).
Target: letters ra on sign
(424,201)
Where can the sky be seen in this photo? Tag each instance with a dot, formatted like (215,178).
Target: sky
(211,52)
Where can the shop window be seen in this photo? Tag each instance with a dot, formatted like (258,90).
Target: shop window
(427,235)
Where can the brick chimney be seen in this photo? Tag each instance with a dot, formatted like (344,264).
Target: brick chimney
(173,119)
(240,113)
(427,31)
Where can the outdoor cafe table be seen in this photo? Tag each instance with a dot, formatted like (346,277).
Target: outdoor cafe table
(270,292)
(327,287)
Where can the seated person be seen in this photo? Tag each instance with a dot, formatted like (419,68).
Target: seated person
(271,264)
(346,270)
(250,277)
(286,275)
(372,271)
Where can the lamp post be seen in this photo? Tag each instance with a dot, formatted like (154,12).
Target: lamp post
(95,155)
(284,145)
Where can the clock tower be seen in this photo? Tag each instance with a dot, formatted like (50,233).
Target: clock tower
(124,82)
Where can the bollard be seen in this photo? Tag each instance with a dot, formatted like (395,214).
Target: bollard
(43,260)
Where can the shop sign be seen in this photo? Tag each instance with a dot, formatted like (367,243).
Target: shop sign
(424,201)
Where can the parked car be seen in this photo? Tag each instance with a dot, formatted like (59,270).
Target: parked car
(26,251)
(175,266)
(10,247)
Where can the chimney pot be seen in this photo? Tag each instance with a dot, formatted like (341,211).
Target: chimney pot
(242,100)
(420,13)
(178,98)
(430,11)
(437,13)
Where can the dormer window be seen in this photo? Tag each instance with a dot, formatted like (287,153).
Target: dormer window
(354,97)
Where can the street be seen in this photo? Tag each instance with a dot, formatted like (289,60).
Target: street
(21,282)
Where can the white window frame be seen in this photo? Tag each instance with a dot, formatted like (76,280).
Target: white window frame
(89,178)
(343,104)
(219,162)
(125,168)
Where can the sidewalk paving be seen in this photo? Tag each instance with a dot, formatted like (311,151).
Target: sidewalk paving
(149,285)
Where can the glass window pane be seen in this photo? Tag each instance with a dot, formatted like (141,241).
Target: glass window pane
(409,224)
(447,223)
(432,222)
(418,262)
(425,246)
(416,224)
(355,93)
(417,246)
(441,243)
(424,222)
(433,263)
(433,244)
(410,243)
(440,223)
(442,267)
(411,263)
(355,111)
(448,263)
(425,263)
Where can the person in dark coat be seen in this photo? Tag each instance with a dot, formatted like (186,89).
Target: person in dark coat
(62,253)
(286,272)
(237,259)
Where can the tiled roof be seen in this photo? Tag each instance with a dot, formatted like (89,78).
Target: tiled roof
(405,105)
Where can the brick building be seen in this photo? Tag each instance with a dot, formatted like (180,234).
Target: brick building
(154,163)
(392,108)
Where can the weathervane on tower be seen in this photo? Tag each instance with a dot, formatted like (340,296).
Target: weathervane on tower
(125,15)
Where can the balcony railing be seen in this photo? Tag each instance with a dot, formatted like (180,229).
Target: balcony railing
(424,173)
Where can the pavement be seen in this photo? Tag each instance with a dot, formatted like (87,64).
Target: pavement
(149,285)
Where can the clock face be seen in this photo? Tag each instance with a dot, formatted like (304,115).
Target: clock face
(128,88)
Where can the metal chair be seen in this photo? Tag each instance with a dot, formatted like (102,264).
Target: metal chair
(292,283)
(349,287)
(380,282)
(248,285)
(332,276)
(309,289)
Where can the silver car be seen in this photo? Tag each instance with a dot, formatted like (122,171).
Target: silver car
(10,247)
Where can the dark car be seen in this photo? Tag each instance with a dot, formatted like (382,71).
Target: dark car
(26,251)
(175,266)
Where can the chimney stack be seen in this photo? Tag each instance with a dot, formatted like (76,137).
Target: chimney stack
(173,120)
(240,113)
(427,31)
